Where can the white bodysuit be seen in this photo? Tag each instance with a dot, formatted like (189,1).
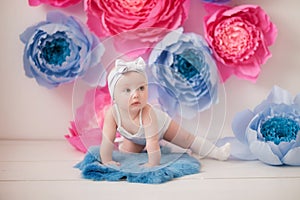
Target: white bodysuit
(163,121)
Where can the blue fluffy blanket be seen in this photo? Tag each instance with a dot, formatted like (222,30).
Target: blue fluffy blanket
(173,165)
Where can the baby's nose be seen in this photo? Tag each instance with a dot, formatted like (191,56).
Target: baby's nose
(135,93)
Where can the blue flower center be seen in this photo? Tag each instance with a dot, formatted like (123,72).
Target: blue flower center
(55,50)
(183,67)
(279,129)
(190,66)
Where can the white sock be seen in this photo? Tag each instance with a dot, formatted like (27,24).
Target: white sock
(203,148)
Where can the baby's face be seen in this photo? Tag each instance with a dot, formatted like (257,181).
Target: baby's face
(131,91)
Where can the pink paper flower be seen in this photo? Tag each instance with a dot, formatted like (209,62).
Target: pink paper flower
(86,129)
(91,113)
(55,3)
(83,142)
(135,21)
(240,37)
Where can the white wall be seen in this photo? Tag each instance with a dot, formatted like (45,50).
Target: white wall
(28,110)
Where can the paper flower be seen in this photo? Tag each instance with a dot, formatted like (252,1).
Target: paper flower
(59,50)
(86,129)
(91,113)
(55,3)
(183,66)
(240,37)
(91,137)
(108,18)
(136,25)
(270,132)
(216,1)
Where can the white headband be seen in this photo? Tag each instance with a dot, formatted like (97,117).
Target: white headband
(122,67)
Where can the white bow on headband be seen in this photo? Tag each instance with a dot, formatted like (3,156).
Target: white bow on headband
(121,67)
(136,65)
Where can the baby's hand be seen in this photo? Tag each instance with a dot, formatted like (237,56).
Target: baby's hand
(112,163)
(148,165)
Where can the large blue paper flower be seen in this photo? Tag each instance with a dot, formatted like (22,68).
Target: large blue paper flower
(183,67)
(59,50)
(270,133)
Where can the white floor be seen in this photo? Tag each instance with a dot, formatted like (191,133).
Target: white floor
(44,170)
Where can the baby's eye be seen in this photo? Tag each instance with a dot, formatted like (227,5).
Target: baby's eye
(127,90)
(142,88)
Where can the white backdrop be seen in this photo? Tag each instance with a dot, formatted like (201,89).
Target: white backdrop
(29,111)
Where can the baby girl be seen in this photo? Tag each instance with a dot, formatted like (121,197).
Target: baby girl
(141,124)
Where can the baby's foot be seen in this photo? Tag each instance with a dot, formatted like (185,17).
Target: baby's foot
(223,152)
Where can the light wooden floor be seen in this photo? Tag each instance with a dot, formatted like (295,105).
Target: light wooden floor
(44,170)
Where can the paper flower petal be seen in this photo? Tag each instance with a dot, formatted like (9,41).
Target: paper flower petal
(240,123)
(55,3)
(238,150)
(297,100)
(279,96)
(264,153)
(292,157)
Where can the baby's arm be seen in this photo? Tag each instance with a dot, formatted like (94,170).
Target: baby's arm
(108,137)
(152,138)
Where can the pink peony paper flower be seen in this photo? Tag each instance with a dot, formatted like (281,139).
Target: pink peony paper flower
(55,3)
(136,24)
(82,141)
(91,113)
(86,129)
(240,37)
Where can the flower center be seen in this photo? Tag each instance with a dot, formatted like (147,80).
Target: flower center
(235,39)
(279,129)
(191,67)
(132,5)
(183,65)
(185,69)
(55,50)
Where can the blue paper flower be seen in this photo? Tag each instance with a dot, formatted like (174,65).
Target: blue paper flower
(59,50)
(270,133)
(183,67)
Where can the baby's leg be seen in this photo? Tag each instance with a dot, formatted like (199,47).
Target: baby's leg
(129,147)
(179,136)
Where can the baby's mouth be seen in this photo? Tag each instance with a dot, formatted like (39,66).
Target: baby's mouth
(136,103)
